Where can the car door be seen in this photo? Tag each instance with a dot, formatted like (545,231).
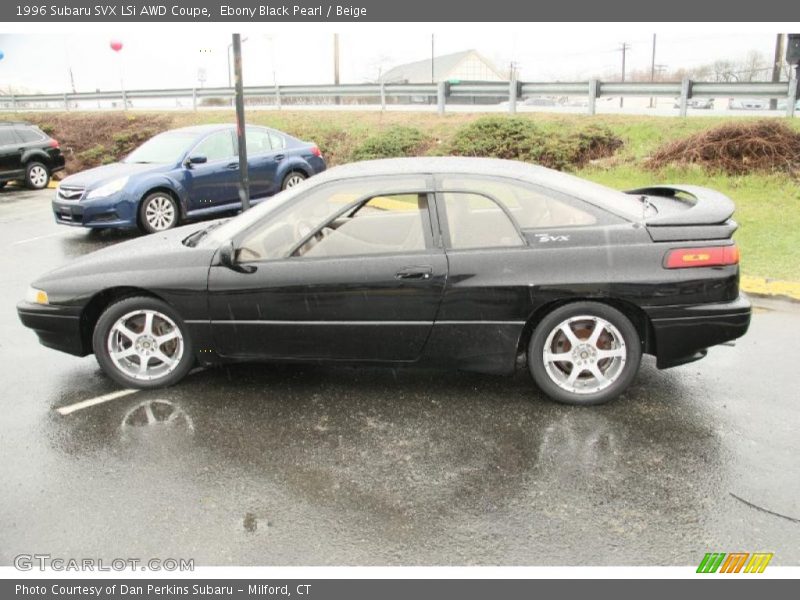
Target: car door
(261,162)
(214,183)
(348,273)
(10,153)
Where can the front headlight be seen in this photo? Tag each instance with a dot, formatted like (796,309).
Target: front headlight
(35,296)
(112,187)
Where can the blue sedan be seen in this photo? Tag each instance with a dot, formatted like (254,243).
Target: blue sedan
(186,173)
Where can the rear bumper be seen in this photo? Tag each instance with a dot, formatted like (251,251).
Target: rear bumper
(684,333)
(57,327)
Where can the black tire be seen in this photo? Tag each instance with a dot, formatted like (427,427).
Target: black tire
(164,204)
(624,368)
(293,178)
(37,176)
(102,333)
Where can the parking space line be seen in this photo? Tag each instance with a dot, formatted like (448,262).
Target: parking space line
(65,410)
(40,237)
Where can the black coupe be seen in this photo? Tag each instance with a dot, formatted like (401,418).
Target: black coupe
(473,264)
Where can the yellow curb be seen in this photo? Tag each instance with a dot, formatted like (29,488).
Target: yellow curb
(770,287)
(52,185)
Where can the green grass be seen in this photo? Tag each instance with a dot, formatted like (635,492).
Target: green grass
(767,210)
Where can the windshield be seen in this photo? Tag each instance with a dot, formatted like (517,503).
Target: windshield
(230,228)
(166,147)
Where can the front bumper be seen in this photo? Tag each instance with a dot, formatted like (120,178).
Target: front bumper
(684,333)
(114,211)
(58,327)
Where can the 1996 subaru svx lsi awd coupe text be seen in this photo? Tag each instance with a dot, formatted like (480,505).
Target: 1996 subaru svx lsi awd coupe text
(457,262)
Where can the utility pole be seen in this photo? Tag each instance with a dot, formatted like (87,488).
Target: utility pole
(244,180)
(777,64)
(336,63)
(652,69)
(624,48)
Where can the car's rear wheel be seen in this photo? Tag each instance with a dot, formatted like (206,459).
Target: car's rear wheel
(158,212)
(142,342)
(584,353)
(37,176)
(292,179)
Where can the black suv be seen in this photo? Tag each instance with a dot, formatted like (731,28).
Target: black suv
(28,154)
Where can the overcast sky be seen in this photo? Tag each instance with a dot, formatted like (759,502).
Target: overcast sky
(150,59)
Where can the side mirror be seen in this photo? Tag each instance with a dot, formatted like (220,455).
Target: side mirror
(197,159)
(227,258)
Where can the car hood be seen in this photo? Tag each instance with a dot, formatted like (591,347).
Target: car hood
(92,178)
(135,262)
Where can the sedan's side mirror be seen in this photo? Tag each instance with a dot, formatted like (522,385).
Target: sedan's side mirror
(197,159)
(227,258)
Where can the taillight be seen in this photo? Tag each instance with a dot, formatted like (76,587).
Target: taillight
(710,256)
(54,143)
(316,151)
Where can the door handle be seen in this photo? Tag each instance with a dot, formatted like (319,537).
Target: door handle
(414,273)
(233,166)
(279,157)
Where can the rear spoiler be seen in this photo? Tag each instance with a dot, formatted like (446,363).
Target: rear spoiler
(705,206)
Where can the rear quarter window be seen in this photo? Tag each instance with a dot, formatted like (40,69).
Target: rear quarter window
(531,206)
(29,134)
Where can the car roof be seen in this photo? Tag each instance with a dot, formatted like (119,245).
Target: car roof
(613,200)
(211,127)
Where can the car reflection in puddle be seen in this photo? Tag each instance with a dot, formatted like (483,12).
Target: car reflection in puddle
(151,419)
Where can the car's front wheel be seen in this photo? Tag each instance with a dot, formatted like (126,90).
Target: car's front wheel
(158,212)
(142,342)
(37,176)
(584,353)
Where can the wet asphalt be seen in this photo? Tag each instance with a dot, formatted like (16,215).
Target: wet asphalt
(309,465)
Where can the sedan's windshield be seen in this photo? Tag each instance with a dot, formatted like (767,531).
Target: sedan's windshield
(166,147)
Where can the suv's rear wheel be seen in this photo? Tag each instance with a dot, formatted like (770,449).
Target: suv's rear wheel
(141,342)
(37,176)
(584,353)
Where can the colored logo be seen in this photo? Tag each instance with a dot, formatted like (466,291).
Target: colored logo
(734,562)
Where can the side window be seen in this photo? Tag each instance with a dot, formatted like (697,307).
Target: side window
(278,234)
(532,206)
(257,141)
(385,224)
(277,141)
(217,146)
(475,221)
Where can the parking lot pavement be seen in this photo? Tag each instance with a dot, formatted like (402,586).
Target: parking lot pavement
(273,465)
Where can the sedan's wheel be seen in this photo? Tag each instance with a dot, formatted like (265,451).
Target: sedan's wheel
(37,176)
(293,179)
(158,212)
(584,353)
(141,342)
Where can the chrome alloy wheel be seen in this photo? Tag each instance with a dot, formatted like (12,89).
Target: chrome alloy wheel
(160,213)
(145,345)
(37,176)
(584,354)
(293,180)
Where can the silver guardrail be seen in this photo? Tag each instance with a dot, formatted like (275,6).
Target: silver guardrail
(682,91)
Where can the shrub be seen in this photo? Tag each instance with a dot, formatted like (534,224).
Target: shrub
(517,138)
(394,142)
